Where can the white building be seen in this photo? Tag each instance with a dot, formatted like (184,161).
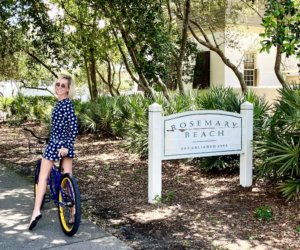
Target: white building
(240,43)
(12,88)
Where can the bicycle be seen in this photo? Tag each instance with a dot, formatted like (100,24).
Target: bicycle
(62,189)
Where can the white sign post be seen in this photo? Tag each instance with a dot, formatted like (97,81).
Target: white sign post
(198,134)
(155,151)
(246,161)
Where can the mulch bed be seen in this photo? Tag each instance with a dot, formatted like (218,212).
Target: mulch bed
(199,210)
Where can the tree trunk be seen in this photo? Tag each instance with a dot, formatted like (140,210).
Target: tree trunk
(88,75)
(133,55)
(164,87)
(120,79)
(277,66)
(125,59)
(110,78)
(183,45)
(170,15)
(94,93)
(110,86)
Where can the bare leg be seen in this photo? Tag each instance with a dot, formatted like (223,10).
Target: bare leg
(45,169)
(67,165)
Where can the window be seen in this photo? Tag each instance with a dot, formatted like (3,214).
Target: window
(250,73)
(255,3)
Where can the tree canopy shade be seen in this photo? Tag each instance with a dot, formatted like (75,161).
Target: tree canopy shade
(28,33)
(140,26)
(282,30)
(282,26)
(207,19)
(94,39)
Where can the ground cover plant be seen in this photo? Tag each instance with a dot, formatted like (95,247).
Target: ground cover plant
(198,209)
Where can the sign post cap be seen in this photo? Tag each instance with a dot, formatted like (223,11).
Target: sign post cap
(155,107)
(247,105)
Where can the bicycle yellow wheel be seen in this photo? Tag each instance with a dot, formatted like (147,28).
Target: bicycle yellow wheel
(69,207)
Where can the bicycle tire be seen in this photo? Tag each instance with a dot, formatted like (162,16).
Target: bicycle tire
(69,184)
(36,182)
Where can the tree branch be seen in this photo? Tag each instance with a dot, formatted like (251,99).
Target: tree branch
(214,37)
(109,84)
(226,61)
(201,30)
(251,7)
(74,17)
(102,77)
(38,88)
(41,62)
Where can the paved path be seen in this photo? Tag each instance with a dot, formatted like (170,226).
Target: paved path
(16,203)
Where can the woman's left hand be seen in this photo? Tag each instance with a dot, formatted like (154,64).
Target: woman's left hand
(63,152)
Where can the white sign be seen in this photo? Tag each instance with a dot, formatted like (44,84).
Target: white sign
(196,134)
(202,133)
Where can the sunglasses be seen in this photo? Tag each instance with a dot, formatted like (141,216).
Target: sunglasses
(61,85)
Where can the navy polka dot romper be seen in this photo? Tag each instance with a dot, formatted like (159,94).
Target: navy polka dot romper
(64,129)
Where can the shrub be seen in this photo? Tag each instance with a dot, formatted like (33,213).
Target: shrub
(126,117)
(219,98)
(23,108)
(280,144)
(5,104)
(178,103)
(97,116)
(123,112)
(228,99)
(264,213)
(135,128)
(20,109)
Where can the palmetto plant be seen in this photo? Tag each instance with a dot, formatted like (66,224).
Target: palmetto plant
(96,116)
(227,99)
(104,111)
(178,103)
(85,121)
(280,147)
(136,136)
(261,108)
(136,125)
(20,109)
(123,112)
(5,104)
(219,98)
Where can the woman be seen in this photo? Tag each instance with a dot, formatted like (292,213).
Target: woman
(64,129)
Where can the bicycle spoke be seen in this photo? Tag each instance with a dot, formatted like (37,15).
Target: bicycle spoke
(69,208)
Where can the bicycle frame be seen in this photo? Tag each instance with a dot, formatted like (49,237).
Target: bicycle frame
(54,185)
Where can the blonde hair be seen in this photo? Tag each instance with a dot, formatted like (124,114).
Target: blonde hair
(71,85)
